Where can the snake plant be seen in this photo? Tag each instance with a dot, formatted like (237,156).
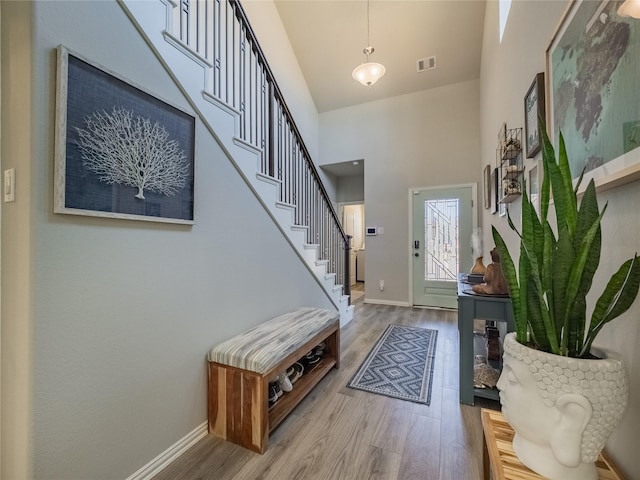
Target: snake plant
(549,290)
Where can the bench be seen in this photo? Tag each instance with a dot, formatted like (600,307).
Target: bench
(241,368)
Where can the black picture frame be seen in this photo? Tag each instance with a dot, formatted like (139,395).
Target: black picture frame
(534,108)
(495,180)
(120,151)
(487,186)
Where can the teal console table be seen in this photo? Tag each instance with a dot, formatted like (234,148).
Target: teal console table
(480,307)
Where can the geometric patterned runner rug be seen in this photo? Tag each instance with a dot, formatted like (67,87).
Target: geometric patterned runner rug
(400,365)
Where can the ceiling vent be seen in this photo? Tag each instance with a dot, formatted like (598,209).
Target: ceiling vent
(425,64)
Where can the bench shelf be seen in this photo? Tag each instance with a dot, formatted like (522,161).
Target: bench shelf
(301,389)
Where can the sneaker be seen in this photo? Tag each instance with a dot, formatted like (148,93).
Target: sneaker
(273,394)
(284,382)
(294,374)
(276,387)
(298,371)
(309,361)
(312,359)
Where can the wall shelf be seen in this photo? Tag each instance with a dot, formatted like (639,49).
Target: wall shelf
(509,157)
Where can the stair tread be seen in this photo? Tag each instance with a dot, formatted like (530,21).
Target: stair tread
(268,179)
(285,205)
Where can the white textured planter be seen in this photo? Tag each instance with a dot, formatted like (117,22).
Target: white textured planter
(562,409)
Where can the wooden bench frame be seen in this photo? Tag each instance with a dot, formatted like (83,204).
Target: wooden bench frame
(501,463)
(238,399)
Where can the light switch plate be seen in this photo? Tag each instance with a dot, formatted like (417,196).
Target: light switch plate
(10,185)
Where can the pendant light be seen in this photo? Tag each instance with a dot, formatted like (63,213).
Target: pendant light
(370,72)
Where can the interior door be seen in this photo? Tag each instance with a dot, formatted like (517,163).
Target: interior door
(442,225)
(353,225)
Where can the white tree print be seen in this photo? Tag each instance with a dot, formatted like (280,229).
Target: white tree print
(133,151)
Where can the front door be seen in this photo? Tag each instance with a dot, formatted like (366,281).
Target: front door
(442,225)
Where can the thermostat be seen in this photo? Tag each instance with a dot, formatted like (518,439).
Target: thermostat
(372,231)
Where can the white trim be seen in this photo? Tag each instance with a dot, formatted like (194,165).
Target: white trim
(159,463)
(431,307)
(377,301)
(474,221)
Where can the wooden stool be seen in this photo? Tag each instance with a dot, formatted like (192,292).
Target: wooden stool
(500,460)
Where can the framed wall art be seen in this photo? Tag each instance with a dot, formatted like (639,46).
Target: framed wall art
(495,198)
(502,136)
(533,109)
(592,91)
(534,189)
(487,186)
(120,151)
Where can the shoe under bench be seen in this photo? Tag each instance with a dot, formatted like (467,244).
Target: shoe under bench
(241,368)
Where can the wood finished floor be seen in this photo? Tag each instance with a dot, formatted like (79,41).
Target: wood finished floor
(341,433)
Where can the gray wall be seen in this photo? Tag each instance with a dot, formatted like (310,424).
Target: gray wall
(508,68)
(106,323)
(407,142)
(267,25)
(350,189)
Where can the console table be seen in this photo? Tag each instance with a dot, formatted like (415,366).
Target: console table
(500,460)
(481,307)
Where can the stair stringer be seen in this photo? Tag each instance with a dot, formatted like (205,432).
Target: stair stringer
(193,76)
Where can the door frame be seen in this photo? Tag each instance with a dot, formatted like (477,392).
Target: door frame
(474,223)
(339,208)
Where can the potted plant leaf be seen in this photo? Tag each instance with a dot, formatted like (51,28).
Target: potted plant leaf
(577,395)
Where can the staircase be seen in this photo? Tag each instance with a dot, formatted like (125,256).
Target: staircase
(209,49)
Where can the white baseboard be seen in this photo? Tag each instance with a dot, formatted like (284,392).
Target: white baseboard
(430,307)
(386,302)
(159,463)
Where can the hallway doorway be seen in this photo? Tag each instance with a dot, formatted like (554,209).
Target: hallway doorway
(352,216)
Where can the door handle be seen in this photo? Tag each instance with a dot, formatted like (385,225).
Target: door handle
(416,254)
(416,244)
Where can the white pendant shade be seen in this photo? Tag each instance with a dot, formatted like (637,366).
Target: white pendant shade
(630,8)
(368,73)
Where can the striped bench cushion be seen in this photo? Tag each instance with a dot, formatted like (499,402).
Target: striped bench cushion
(264,346)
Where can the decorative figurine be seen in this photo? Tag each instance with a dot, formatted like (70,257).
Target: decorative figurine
(494,281)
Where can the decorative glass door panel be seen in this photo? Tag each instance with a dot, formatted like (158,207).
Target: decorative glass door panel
(441,239)
(442,232)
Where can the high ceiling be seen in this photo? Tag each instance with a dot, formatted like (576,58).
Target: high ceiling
(328,37)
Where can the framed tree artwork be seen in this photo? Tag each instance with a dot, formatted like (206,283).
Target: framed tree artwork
(120,151)
(533,109)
